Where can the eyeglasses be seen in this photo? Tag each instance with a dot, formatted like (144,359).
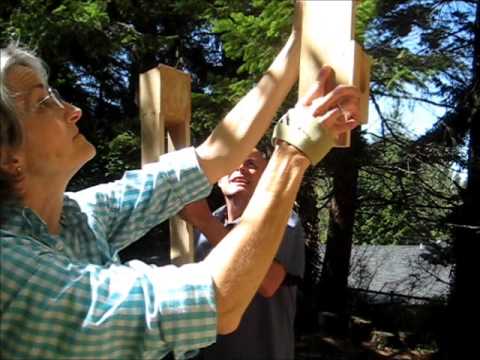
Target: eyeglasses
(52,99)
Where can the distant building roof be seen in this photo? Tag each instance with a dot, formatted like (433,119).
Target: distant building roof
(397,269)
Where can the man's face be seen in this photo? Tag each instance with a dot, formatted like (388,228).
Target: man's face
(243,180)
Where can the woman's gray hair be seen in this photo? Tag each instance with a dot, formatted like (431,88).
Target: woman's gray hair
(14,55)
(11,133)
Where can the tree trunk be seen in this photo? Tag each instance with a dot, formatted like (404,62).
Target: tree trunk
(333,289)
(308,211)
(460,341)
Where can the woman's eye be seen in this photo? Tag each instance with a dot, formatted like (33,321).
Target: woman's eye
(42,104)
(49,102)
(45,103)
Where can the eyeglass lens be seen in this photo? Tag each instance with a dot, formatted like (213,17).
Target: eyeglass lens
(55,95)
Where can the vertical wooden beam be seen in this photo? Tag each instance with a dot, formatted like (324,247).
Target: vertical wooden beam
(152,120)
(328,33)
(165,113)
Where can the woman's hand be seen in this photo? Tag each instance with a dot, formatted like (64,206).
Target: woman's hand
(314,124)
(336,108)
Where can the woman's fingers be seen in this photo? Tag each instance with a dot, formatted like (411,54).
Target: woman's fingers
(329,119)
(340,95)
(350,107)
(322,86)
(336,108)
(337,121)
(340,128)
(328,79)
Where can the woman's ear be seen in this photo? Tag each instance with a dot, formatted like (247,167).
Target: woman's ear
(12,165)
(10,160)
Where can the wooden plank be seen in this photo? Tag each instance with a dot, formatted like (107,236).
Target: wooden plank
(165,113)
(175,95)
(182,248)
(152,121)
(328,32)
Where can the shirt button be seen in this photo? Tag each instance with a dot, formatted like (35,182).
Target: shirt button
(59,246)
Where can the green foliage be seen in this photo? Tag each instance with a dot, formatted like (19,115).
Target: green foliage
(404,196)
(250,33)
(264,22)
(97,48)
(209,110)
(412,44)
(396,65)
(123,154)
(37,23)
(81,13)
(392,211)
(95,51)
(366,12)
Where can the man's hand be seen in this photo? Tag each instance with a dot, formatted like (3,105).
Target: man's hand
(197,213)
(272,281)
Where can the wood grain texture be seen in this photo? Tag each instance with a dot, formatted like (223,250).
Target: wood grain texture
(165,114)
(328,33)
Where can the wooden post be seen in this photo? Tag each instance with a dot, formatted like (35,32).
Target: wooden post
(165,113)
(328,33)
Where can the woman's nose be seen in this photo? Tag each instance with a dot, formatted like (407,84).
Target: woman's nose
(72,113)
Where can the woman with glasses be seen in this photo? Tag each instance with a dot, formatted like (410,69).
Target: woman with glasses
(64,292)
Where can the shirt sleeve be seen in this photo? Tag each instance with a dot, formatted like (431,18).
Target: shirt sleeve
(123,211)
(291,253)
(53,308)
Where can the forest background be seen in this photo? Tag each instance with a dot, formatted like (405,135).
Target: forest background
(392,186)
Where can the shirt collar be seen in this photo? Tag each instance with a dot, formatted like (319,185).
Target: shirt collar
(23,221)
(221,215)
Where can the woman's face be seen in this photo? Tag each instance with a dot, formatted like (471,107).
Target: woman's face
(53,148)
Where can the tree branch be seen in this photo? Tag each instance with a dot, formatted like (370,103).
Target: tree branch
(443,105)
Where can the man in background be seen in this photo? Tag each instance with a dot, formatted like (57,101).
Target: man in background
(266,330)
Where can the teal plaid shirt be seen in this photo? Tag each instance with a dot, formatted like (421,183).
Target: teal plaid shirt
(68,296)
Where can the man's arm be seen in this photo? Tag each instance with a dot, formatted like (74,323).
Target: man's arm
(199,215)
(289,260)
(272,281)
